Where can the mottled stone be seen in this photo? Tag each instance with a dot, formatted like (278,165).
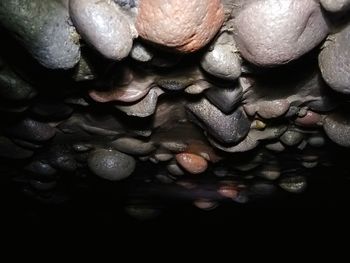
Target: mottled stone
(13,87)
(192,163)
(275,32)
(111,165)
(337,128)
(141,53)
(222,59)
(294,184)
(133,146)
(185,26)
(335,5)
(103,25)
(334,61)
(226,99)
(230,128)
(44,28)
(292,138)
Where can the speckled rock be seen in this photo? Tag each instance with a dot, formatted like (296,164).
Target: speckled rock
(337,127)
(43,27)
(274,32)
(335,5)
(103,25)
(111,165)
(222,60)
(185,26)
(334,61)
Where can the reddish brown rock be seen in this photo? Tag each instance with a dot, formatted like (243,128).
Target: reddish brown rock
(192,163)
(228,191)
(185,26)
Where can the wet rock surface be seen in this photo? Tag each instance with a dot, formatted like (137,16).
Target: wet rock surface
(207,102)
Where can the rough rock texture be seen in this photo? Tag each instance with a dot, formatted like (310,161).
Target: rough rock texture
(335,5)
(275,32)
(186,26)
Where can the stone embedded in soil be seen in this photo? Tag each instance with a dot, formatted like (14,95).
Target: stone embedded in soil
(185,26)
(334,61)
(104,26)
(43,28)
(192,163)
(111,165)
(274,32)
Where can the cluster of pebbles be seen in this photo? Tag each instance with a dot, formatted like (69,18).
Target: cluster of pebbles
(228,99)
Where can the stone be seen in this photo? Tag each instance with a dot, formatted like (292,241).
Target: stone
(337,128)
(230,128)
(222,59)
(31,130)
(334,61)
(192,163)
(335,6)
(228,190)
(184,26)
(104,26)
(206,205)
(141,53)
(13,87)
(10,150)
(317,141)
(44,29)
(292,138)
(174,169)
(293,184)
(274,32)
(226,99)
(110,164)
(133,146)
(268,109)
(311,119)
(41,168)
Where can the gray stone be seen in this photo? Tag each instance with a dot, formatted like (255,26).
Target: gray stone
(293,184)
(111,165)
(335,5)
(103,25)
(140,53)
(43,27)
(337,128)
(292,138)
(133,146)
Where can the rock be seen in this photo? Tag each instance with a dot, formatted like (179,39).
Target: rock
(230,128)
(41,168)
(10,150)
(226,99)
(44,28)
(335,5)
(293,184)
(228,190)
(133,146)
(13,88)
(141,53)
(274,32)
(268,109)
(185,26)
(192,163)
(103,25)
(270,172)
(197,87)
(337,128)
(206,205)
(145,108)
(174,169)
(317,141)
(111,165)
(334,61)
(52,110)
(127,3)
(31,130)
(222,60)
(292,138)
(276,147)
(311,119)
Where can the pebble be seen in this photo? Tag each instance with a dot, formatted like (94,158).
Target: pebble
(133,146)
(44,28)
(270,172)
(228,190)
(274,32)
(292,138)
(337,128)
(334,61)
(276,147)
(204,204)
(192,163)
(141,53)
(10,150)
(230,128)
(311,119)
(295,184)
(222,59)
(335,6)
(316,141)
(174,169)
(111,165)
(268,109)
(104,26)
(185,26)
(41,168)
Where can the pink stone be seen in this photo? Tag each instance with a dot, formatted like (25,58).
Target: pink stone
(311,119)
(185,26)
(192,163)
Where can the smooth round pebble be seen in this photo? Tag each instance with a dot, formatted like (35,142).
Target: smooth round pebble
(192,163)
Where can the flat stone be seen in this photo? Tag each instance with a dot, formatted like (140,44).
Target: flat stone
(230,128)
(104,26)
(133,146)
(337,128)
(111,165)
(185,26)
(274,32)
(222,59)
(44,29)
(192,163)
(334,61)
